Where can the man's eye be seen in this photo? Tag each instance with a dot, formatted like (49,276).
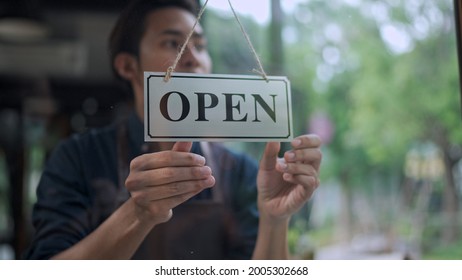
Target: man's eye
(172,44)
(200,47)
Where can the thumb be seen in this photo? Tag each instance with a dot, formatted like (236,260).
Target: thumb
(270,156)
(182,147)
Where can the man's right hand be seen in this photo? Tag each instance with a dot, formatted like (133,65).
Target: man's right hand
(158,182)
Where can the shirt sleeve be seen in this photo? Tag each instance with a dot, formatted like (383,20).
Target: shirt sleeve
(61,213)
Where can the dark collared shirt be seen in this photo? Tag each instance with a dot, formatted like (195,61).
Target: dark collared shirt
(80,188)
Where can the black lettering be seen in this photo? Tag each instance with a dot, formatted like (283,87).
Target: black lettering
(164,106)
(272,113)
(201,104)
(230,107)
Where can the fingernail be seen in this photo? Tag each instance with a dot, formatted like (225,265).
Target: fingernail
(283,166)
(206,170)
(200,160)
(290,155)
(210,181)
(296,142)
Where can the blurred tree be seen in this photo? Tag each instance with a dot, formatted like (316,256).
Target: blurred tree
(411,96)
(275,44)
(227,45)
(385,73)
(323,65)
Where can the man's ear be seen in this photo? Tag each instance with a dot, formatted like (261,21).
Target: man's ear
(126,66)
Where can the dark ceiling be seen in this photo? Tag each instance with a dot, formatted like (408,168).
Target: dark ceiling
(75,44)
(78,31)
(31,6)
(99,5)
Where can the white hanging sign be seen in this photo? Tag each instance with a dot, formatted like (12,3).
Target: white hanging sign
(193,107)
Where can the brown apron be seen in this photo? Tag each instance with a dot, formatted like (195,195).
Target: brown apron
(198,229)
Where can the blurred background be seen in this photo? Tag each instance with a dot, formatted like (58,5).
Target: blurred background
(377,80)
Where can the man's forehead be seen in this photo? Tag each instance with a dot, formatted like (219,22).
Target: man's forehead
(172,21)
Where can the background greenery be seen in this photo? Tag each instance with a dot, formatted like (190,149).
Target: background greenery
(379,81)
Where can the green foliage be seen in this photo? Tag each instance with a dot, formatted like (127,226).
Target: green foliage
(445,252)
(385,74)
(228,47)
(380,102)
(438,251)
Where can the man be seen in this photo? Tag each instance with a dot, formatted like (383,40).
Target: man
(108,195)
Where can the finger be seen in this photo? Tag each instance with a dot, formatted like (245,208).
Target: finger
(161,176)
(296,168)
(270,156)
(166,159)
(309,155)
(182,147)
(172,190)
(309,182)
(176,174)
(306,141)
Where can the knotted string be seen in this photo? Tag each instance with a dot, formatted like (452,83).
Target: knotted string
(183,48)
(170,69)
(261,71)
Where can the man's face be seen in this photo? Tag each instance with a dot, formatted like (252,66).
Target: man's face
(166,30)
(165,33)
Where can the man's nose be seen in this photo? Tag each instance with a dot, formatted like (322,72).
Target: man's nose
(190,57)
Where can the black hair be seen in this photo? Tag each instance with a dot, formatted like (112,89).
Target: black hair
(130,27)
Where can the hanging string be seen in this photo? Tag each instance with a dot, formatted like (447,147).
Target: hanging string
(183,48)
(261,71)
(170,69)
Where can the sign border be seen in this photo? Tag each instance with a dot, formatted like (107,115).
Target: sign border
(149,75)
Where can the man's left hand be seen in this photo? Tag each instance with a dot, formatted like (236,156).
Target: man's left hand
(286,184)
